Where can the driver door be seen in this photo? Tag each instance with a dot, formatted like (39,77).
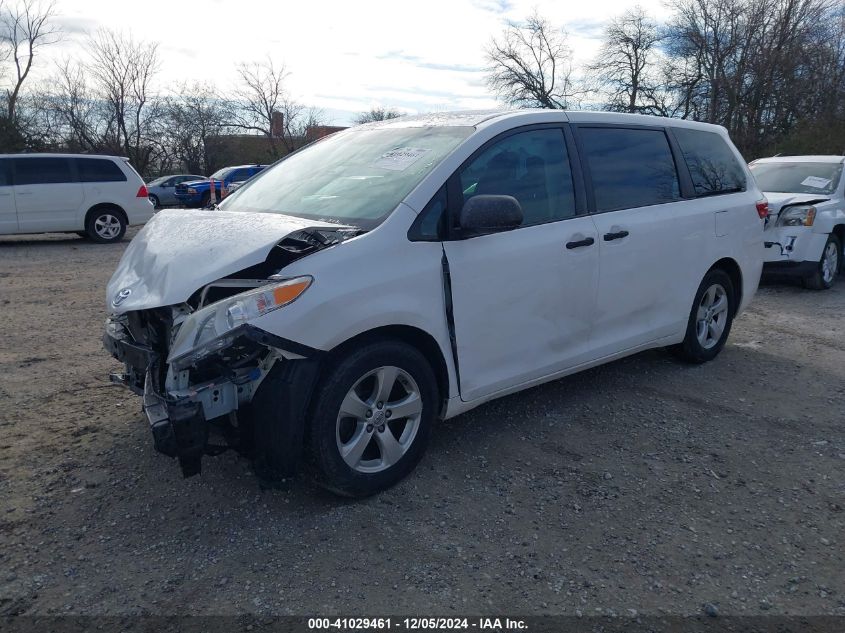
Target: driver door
(523,299)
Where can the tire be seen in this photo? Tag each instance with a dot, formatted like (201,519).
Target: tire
(205,200)
(710,320)
(156,202)
(388,446)
(828,267)
(105,225)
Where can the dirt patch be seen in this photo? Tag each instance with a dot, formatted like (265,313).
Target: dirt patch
(644,484)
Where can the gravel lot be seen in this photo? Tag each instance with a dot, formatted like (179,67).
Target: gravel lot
(643,485)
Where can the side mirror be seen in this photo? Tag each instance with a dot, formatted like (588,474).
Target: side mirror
(484,214)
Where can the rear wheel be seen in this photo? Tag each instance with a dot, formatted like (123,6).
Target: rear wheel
(828,267)
(106,225)
(710,319)
(371,418)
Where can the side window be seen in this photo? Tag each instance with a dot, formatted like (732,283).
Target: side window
(42,171)
(630,167)
(5,175)
(428,226)
(98,170)
(712,164)
(239,175)
(533,167)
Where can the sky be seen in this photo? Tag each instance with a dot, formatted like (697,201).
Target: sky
(343,56)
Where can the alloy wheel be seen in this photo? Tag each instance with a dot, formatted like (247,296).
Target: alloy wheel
(830,263)
(107,226)
(712,316)
(378,419)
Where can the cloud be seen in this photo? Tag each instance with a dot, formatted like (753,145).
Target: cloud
(75,25)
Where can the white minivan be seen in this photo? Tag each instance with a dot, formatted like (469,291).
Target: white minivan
(95,196)
(399,272)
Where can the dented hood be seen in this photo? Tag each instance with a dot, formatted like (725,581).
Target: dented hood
(779,200)
(180,251)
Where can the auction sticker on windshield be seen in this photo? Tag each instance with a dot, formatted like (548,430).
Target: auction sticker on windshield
(815,182)
(400,158)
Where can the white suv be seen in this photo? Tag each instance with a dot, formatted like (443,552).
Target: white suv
(398,272)
(805,232)
(96,196)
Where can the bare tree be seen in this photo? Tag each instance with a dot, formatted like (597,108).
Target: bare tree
(530,65)
(626,66)
(262,99)
(122,70)
(194,113)
(377,114)
(25,27)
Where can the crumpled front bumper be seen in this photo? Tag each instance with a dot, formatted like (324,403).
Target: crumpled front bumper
(179,427)
(792,249)
(178,424)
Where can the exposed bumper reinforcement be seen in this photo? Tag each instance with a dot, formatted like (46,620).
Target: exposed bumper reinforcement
(179,428)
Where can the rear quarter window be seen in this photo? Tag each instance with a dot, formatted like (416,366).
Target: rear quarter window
(98,170)
(713,166)
(630,167)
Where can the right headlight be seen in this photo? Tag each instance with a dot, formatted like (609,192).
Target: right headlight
(801,215)
(214,327)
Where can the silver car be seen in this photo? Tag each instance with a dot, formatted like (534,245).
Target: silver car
(161,190)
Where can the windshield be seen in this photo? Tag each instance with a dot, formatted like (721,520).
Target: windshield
(220,174)
(797,177)
(357,177)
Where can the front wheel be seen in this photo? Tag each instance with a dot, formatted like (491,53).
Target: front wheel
(154,199)
(828,266)
(371,418)
(710,319)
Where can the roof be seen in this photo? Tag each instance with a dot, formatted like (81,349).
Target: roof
(476,118)
(819,158)
(60,155)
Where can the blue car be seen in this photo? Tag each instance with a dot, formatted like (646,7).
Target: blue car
(197,193)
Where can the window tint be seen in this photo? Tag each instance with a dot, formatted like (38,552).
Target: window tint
(428,224)
(42,171)
(239,174)
(630,167)
(533,167)
(98,170)
(712,164)
(5,169)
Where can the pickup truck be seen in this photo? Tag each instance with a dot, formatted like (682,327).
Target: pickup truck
(197,193)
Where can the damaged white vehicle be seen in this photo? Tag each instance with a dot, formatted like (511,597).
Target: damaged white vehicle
(805,231)
(340,302)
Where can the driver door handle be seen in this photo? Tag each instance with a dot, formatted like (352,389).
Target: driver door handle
(588,241)
(615,236)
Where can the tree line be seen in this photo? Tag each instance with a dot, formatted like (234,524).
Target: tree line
(771,71)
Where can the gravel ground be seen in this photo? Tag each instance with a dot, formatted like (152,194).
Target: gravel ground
(642,486)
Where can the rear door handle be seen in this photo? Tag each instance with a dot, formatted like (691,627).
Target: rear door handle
(588,241)
(615,236)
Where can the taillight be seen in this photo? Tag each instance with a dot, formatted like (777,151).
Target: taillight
(763,209)
(142,192)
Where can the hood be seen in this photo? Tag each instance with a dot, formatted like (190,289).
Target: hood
(180,251)
(779,200)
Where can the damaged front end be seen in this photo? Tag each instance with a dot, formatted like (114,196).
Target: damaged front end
(198,364)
